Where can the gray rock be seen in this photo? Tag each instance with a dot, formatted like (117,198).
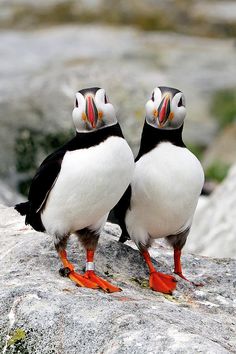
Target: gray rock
(216,11)
(8,196)
(214,229)
(49,314)
(223,147)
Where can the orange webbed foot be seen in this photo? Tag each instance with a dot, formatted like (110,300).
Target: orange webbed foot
(167,277)
(102,283)
(162,283)
(180,274)
(77,278)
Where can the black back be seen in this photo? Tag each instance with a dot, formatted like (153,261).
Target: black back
(151,137)
(48,171)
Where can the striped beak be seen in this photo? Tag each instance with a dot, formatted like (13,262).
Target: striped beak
(91,111)
(164,111)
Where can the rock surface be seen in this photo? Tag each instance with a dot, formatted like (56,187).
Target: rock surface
(220,11)
(222,148)
(8,196)
(214,229)
(37,91)
(44,313)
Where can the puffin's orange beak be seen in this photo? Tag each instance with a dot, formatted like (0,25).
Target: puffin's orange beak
(91,111)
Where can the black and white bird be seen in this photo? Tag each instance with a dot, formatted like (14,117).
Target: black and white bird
(164,191)
(76,186)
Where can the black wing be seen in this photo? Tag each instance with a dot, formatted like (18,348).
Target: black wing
(40,188)
(44,179)
(117,214)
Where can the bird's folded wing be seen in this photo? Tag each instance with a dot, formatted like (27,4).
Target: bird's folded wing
(44,180)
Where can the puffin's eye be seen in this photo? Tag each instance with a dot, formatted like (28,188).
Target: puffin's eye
(105,98)
(76,103)
(152,98)
(180,104)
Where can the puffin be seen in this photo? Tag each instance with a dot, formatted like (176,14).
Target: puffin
(162,197)
(76,186)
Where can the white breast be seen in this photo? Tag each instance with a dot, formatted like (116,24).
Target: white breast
(165,188)
(90,183)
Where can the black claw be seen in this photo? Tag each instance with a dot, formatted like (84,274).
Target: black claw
(64,272)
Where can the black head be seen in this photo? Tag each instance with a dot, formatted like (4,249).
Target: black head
(166,108)
(92,110)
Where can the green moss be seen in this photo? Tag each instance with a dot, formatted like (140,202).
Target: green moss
(223,106)
(141,281)
(16,336)
(17,342)
(170,298)
(217,171)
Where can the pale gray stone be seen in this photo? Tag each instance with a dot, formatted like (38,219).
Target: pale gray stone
(55,316)
(9,196)
(213,231)
(223,147)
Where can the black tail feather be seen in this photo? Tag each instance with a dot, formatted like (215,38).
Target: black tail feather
(118,213)
(23,208)
(113,218)
(124,237)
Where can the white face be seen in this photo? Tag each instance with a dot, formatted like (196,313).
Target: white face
(166,108)
(93,111)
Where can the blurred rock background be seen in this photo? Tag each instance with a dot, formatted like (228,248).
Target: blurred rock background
(50,49)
